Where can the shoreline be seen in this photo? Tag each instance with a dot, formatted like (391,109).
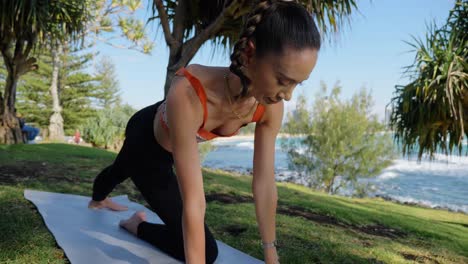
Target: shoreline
(419,204)
(249,137)
(236,173)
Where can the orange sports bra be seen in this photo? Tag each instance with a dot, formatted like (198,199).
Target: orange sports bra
(202,134)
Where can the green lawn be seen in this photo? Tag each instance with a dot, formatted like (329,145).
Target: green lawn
(312,227)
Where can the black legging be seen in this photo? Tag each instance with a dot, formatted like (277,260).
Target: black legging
(150,168)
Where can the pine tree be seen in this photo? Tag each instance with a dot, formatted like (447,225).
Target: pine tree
(79,90)
(33,98)
(107,92)
(76,89)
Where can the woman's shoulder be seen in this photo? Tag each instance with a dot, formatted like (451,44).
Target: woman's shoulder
(209,77)
(206,74)
(184,98)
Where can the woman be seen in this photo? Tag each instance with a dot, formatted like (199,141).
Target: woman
(277,50)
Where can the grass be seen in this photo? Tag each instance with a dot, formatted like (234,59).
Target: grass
(312,227)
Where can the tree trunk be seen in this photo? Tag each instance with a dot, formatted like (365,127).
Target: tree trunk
(10,131)
(56,121)
(181,52)
(169,75)
(179,56)
(176,61)
(330,186)
(17,64)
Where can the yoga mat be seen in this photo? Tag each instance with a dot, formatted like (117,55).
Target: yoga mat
(93,236)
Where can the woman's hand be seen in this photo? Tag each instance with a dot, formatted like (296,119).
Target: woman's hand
(271,256)
(106,203)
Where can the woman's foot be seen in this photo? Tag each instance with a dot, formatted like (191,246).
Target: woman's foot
(132,223)
(106,203)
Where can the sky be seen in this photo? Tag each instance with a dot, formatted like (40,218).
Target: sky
(370,51)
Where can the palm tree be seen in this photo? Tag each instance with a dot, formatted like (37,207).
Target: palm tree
(197,21)
(23,25)
(431,112)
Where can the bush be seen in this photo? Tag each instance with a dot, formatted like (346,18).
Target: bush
(338,139)
(205,148)
(107,129)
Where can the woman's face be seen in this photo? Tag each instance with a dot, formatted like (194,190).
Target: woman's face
(274,76)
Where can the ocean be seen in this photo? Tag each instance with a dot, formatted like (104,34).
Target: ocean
(440,183)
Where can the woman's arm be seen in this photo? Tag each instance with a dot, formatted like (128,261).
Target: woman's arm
(185,115)
(263,186)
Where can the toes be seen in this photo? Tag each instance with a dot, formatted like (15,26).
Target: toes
(141,215)
(121,208)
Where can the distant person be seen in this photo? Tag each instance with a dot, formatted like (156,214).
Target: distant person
(77,137)
(31,132)
(277,49)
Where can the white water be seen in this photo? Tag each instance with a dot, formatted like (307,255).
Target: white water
(442,182)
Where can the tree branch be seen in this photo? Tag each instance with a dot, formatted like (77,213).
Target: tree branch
(191,46)
(106,41)
(18,53)
(27,66)
(164,23)
(29,47)
(178,25)
(110,10)
(7,57)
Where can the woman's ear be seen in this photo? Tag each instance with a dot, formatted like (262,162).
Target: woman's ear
(249,53)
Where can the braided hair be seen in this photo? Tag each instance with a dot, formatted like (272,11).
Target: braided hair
(273,25)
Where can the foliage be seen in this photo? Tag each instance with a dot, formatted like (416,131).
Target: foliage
(107,93)
(431,112)
(106,129)
(203,14)
(81,91)
(77,90)
(204,149)
(299,118)
(23,25)
(187,25)
(338,139)
(33,21)
(112,19)
(33,100)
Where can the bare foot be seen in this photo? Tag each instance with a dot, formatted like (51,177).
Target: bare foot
(106,203)
(132,223)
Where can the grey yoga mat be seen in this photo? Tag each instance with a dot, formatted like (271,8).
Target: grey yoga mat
(93,236)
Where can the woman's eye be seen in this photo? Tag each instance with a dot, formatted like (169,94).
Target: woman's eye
(280,82)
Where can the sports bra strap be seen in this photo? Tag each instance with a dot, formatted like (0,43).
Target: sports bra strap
(258,113)
(196,84)
(198,87)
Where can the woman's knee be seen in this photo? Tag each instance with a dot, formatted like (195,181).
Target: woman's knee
(211,248)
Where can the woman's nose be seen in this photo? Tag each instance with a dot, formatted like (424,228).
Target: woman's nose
(284,96)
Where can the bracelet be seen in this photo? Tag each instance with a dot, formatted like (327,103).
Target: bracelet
(269,245)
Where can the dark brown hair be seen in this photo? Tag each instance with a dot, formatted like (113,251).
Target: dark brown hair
(273,26)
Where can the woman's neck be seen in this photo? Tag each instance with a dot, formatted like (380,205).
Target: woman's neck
(235,87)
